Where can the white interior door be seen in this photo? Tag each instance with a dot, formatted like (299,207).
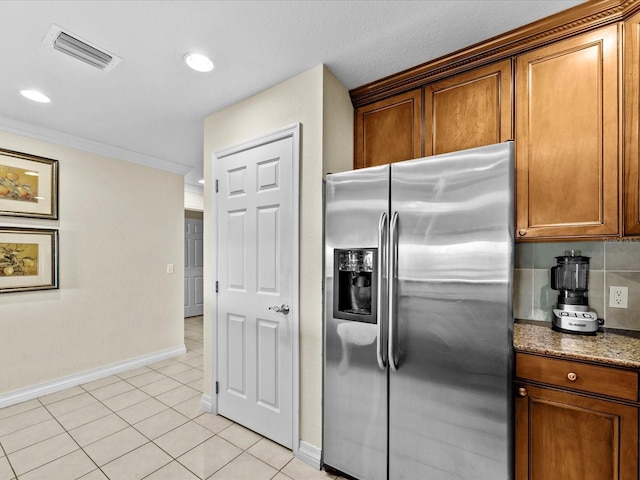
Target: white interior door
(193,265)
(257,287)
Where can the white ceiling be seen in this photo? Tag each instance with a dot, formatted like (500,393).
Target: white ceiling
(149,108)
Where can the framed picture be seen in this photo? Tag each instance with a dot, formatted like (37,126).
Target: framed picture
(28,185)
(28,259)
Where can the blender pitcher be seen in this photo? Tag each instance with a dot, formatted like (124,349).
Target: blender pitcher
(570,277)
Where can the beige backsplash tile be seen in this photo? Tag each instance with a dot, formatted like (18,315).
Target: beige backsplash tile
(544,299)
(524,255)
(596,292)
(622,255)
(544,254)
(522,293)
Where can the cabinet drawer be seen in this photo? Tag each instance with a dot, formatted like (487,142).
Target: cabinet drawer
(608,381)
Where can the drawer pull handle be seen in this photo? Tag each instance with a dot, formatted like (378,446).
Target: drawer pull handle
(572,377)
(522,392)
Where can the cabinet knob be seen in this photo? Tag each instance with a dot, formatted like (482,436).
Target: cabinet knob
(572,377)
(522,392)
(522,232)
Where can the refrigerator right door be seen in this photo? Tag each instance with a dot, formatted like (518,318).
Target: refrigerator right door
(452,348)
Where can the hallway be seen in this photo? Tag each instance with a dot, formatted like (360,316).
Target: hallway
(142,424)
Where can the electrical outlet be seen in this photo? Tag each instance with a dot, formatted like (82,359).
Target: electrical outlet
(618,297)
(169,268)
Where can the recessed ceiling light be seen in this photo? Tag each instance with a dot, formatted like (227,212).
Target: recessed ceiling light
(35,96)
(201,181)
(198,62)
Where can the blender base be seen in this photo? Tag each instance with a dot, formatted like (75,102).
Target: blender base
(580,323)
(555,328)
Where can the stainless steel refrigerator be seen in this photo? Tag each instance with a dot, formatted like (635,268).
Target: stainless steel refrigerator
(418,348)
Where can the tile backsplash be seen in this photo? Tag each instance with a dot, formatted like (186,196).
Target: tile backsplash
(612,262)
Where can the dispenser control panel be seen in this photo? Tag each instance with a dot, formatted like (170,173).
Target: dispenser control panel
(355,284)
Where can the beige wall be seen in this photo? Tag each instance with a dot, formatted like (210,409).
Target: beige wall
(120,225)
(321,104)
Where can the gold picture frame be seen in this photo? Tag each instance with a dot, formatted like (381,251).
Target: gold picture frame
(28,259)
(28,185)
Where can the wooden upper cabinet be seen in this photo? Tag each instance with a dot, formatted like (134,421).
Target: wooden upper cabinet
(632,126)
(469,110)
(389,130)
(567,155)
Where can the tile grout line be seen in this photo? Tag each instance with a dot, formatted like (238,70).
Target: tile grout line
(152,441)
(6,455)
(71,437)
(169,407)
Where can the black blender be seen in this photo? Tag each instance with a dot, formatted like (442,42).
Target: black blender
(571,278)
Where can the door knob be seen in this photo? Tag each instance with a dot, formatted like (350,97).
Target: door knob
(284,309)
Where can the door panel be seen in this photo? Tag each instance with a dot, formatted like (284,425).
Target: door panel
(449,400)
(268,363)
(193,267)
(236,347)
(268,251)
(255,342)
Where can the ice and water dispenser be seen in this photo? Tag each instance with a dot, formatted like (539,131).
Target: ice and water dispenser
(355,287)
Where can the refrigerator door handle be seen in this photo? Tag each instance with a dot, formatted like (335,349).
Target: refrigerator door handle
(382,256)
(393,261)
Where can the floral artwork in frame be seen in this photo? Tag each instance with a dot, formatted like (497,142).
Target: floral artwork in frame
(28,185)
(28,259)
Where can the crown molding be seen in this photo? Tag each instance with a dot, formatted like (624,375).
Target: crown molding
(59,138)
(189,187)
(579,19)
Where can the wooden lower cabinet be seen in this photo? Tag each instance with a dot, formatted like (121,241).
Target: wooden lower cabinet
(564,433)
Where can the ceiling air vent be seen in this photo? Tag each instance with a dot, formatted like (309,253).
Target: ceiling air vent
(76,47)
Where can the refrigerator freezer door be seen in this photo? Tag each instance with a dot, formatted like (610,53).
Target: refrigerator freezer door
(449,400)
(355,377)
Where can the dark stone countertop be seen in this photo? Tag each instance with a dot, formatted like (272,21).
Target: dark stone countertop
(612,347)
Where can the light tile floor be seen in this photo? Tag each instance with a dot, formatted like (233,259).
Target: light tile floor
(143,423)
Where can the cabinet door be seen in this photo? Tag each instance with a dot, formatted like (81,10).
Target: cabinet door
(567,138)
(389,130)
(632,126)
(469,110)
(561,435)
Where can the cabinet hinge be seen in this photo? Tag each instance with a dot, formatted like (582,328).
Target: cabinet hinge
(216,286)
(217,388)
(216,186)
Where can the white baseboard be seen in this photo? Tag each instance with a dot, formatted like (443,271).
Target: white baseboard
(206,403)
(41,389)
(310,455)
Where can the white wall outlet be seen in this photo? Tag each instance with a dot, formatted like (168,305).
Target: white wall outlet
(618,297)
(169,267)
